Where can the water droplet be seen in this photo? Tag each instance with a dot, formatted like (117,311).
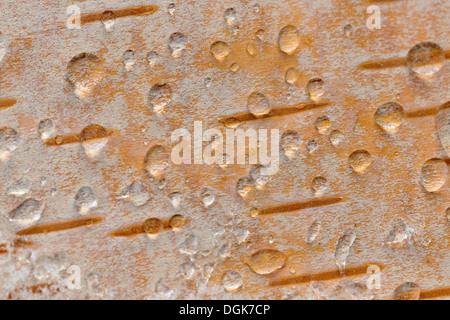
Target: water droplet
(129,59)
(433,174)
(256,8)
(258,176)
(425,58)
(207,82)
(163,290)
(224,251)
(230,16)
(19,187)
(231,280)
(93,139)
(152,58)
(175,199)
(359,160)
(177,221)
(319,185)
(343,247)
(85,73)
(336,137)
(241,234)
(315,88)
(108,20)
(260,34)
(266,261)
(251,49)
(447,213)
(171,8)
(189,246)
(152,227)
(291,75)
(3,46)
(322,124)
(85,200)
(9,141)
(177,44)
(244,186)
(219,50)
(313,231)
(389,116)
(137,193)
(311,146)
(399,233)
(27,213)
(348,30)
(207,196)
(187,270)
(407,291)
(258,104)
(156,160)
(443,126)
(290,142)
(288,39)
(43,181)
(232,123)
(46,129)
(159,97)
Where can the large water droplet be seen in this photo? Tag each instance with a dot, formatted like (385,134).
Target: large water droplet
(288,39)
(258,104)
(27,213)
(266,261)
(93,139)
(85,200)
(9,141)
(425,58)
(219,50)
(85,73)
(343,247)
(389,116)
(137,193)
(433,174)
(156,160)
(159,97)
(359,160)
(231,280)
(177,44)
(19,187)
(407,291)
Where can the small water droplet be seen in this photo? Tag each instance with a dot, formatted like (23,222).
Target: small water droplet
(256,8)
(207,196)
(260,34)
(85,200)
(288,39)
(290,142)
(138,193)
(93,139)
(234,67)
(85,73)
(311,146)
(19,187)
(258,105)
(129,59)
(207,82)
(251,49)
(156,160)
(244,186)
(348,30)
(189,246)
(443,126)
(399,233)
(230,16)
(3,46)
(433,174)
(175,199)
(187,270)
(163,290)
(343,247)
(177,221)
(152,58)
(27,213)
(425,58)
(171,8)
(407,291)
(291,75)
(159,97)
(258,176)
(313,231)
(319,185)
(241,234)
(266,261)
(315,88)
(322,124)
(359,160)
(108,20)
(46,129)
(447,213)
(231,280)
(219,50)
(389,116)
(336,137)
(9,141)
(43,181)
(152,227)
(177,44)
